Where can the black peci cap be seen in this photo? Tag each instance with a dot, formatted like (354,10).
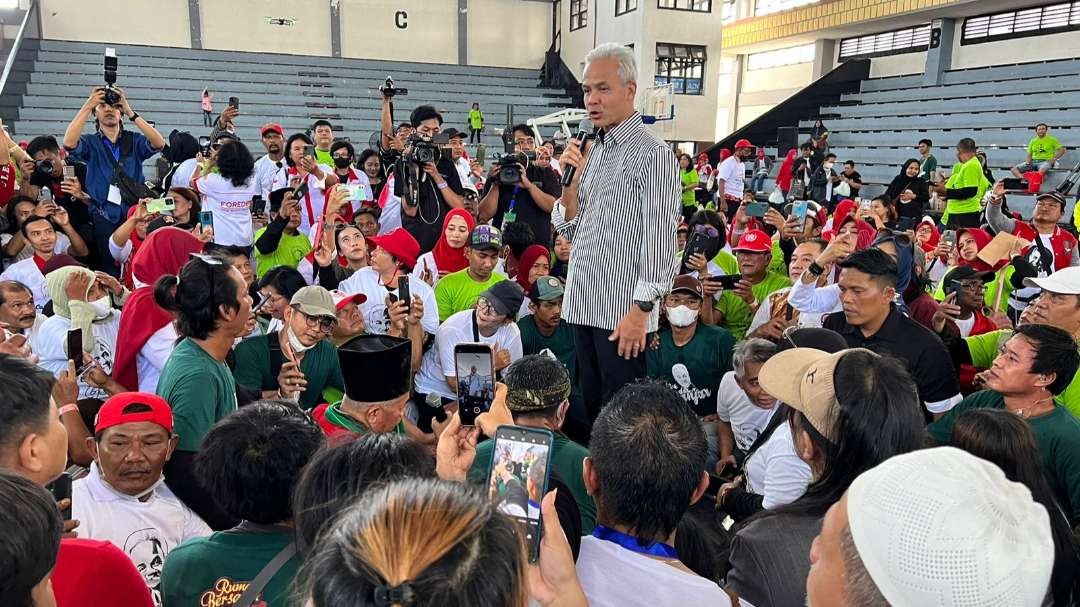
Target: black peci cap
(376,368)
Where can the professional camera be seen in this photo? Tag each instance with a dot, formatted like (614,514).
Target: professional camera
(389,91)
(43,173)
(111,96)
(509,171)
(421,151)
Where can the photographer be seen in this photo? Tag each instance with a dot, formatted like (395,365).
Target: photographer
(47,170)
(20,209)
(280,243)
(530,197)
(437,185)
(113,160)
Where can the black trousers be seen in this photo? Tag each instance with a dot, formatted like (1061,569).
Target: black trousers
(964,220)
(601,370)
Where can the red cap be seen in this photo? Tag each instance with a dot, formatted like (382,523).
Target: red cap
(754,241)
(271,126)
(398,243)
(112,412)
(342,299)
(743,143)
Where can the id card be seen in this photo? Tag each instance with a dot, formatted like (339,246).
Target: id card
(114,195)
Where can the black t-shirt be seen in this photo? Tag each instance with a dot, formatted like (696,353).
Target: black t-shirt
(78,211)
(525,207)
(854,176)
(427,224)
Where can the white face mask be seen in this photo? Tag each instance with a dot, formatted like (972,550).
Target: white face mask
(295,343)
(681,316)
(102,307)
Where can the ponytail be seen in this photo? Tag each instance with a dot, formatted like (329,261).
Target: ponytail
(165,293)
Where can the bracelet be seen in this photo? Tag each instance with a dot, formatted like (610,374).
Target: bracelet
(68,408)
(134,116)
(815,269)
(443,185)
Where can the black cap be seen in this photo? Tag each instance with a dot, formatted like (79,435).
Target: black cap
(505,296)
(452,133)
(376,368)
(967,272)
(825,340)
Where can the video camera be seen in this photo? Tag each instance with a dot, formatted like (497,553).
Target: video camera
(111,96)
(389,91)
(509,171)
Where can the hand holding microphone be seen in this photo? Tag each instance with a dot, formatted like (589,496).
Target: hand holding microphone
(573,157)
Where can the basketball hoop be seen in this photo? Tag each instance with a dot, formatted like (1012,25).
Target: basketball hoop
(657,104)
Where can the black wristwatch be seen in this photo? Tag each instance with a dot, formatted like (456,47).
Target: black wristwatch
(815,269)
(645,306)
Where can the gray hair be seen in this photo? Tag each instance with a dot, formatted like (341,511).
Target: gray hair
(753,350)
(860,587)
(624,56)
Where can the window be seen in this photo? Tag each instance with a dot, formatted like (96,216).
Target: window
(727,12)
(625,6)
(782,56)
(579,14)
(908,40)
(1052,18)
(765,7)
(682,65)
(698,6)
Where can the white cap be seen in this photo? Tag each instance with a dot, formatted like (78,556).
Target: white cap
(1065,281)
(943,527)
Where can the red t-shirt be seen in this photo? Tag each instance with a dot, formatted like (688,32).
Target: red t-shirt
(7,184)
(93,573)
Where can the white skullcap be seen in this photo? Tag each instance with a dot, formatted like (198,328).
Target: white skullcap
(943,527)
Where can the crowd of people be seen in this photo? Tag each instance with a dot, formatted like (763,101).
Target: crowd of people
(242,384)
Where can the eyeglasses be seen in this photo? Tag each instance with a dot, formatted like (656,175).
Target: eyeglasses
(210,262)
(973,286)
(323,323)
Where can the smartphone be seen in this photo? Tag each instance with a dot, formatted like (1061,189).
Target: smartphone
(358,192)
(309,150)
(300,191)
(695,245)
(74,347)
(69,171)
(403,291)
(518,478)
(798,209)
(204,145)
(161,205)
(949,237)
(61,490)
(951,287)
(206,219)
(258,205)
(234,102)
(757,209)
(474,366)
(727,281)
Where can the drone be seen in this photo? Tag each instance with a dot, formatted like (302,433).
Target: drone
(286,21)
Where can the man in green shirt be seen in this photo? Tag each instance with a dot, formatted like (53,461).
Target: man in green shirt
(737,306)
(378,379)
(1034,366)
(537,395)
(297,362)
(459,290)
(965,188)
(323,134)
(280,243)
(928,163)
(1043,152)
(249,464)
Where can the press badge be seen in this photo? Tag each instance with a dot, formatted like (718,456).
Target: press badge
(114,195)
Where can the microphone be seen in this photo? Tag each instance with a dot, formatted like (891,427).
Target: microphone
(585,130)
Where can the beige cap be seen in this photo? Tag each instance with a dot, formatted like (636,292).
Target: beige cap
(803,379)
(314,301)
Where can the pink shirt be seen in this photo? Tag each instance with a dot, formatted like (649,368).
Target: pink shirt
(206,106)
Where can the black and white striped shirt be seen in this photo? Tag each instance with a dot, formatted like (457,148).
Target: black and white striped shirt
(624,246)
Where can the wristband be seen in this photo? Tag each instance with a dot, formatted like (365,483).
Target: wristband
(815,269)
(134,116)
(68,408)
(443,185)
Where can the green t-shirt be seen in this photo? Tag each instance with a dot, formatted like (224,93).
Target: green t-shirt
(291,249)
(928,166)
(458,291)
(216,570)
(984,348)
(965,175)
(689,177)
(737,314)
(1057,434)
(695,369)
(324,157)
(566,458)
(200,390)
(561,343)
(320,367)
(476,119)
(1043,148)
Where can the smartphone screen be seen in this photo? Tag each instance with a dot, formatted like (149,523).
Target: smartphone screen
(475,373)
(309,150)
(756,209)
(258,205)
(69,171)
(798,209)
(74,347)
(518,477)
(206,219)
(403,291)
(949,237)
(234,102)
(695,245)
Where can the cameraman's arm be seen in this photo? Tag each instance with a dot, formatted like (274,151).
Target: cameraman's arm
(387,123)
(489,204)
(544,200)
(75,128)
(449,186)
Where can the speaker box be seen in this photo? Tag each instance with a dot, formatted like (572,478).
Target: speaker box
(787,138)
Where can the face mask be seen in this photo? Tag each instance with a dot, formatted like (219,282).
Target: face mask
(681,316)
(341,163)
(102,307)
(295,343)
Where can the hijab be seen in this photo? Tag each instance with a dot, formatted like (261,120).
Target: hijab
(982,238)
(447,258)
(79,313)
(528,258)
(935,236)
(845,212)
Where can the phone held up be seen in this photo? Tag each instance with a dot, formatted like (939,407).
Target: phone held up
(727,281)
(518,478)
(403,292)
(475,371)
(206,219)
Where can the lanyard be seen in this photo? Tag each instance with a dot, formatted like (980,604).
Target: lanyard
(631,543)
(513,199)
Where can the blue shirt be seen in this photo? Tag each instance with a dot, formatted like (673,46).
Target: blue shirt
(97,152)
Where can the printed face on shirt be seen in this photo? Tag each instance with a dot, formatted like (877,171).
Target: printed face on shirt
(608,99)
(862,297)
(825,584)
(18,311)
(42,236)
(132,455)
(482,262)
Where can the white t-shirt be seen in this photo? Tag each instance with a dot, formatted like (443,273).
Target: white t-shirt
(152,357)
(775,471)
(366,281)
(181,177)
(63,245)
(311,207)
(51,348)
(438,361)
(613,576)
(733,406)
(265,170)
(145,531)
(965,326)
(390,218)
(27,273)
(231,206)
(732,172)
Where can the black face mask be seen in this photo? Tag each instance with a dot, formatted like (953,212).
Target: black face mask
(341,163)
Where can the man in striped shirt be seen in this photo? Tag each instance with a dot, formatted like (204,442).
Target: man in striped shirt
(620,211)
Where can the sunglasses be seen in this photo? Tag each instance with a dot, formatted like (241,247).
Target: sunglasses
(210,262)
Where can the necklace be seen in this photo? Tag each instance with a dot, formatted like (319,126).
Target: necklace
(1035,409)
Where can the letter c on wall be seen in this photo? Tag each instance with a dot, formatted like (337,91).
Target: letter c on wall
(401,20)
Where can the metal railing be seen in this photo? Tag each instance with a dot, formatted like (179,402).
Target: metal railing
(10,63)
